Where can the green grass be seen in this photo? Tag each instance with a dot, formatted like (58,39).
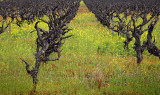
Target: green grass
(93,62)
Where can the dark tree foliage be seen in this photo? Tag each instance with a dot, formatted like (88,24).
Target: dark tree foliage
(57,14)
(130,17)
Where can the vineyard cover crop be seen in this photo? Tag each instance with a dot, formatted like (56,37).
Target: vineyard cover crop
(67,49)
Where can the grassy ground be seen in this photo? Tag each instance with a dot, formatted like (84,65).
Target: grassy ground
(93,62)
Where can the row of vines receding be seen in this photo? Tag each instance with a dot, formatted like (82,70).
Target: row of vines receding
(57,14)
(131,18)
